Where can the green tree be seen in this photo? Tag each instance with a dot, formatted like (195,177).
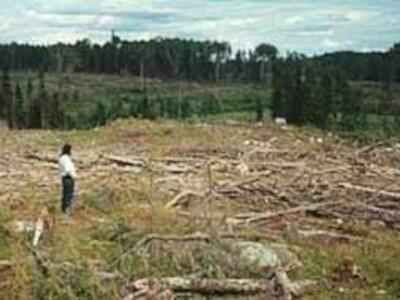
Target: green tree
(8,98)
(351,117)
(265,54)
(45,106)
(277,101)
(56,111)
(186,108)
(34,110)
(146,107)
(2,104)
(172,108)
(101,114)
(18,109)
(259,109)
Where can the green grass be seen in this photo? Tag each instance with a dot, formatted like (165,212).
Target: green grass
(121,96)
(113,213)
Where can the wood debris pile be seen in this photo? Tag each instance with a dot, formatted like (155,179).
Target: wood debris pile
(263,181)
(309,186)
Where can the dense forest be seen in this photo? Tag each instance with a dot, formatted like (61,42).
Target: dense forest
(328,91)
(183,59)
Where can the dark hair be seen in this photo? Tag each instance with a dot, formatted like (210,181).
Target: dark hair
(66,149)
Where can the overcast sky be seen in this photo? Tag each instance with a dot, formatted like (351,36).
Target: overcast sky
(308,26)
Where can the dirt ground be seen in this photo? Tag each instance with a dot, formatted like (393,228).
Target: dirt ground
(332,201)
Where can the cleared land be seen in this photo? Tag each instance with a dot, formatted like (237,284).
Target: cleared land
(81,93)
(161,199)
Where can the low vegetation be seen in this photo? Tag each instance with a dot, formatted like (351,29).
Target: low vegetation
(131,170)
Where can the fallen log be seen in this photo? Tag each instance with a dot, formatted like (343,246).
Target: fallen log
(339,169)
(125,161)
(205,286)
(274,288)
(372,147)
(180,160)
(290,289)
(268,215)
(284,165)
(178,199)
(174,169)
(369,212)
(240,183)
(369,190)
(332,235)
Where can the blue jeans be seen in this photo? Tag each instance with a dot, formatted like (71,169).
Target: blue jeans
(67,193)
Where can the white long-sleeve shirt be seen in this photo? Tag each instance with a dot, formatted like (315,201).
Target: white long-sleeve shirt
(66,166)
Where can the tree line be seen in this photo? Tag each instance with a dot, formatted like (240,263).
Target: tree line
(30,104)
(181,59)
(323,90)
(157,58)
(327,94)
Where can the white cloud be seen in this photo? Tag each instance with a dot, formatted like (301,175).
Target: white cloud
(350,15)
(335,44)
(106,20)
(316,33)
(293,20)
(304,25)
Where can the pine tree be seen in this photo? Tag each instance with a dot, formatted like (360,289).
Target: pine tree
(2,104)
(18,108)
(56,113)
(34,108)
(8,98)
(348,109)
(186,108)
(101,114)
(65,97)
(259,109)
(172,108)
(76,96)
(163,108)
(28,103)
(133,109)
(144,107)
(277,103)
(44,103)
(317,88)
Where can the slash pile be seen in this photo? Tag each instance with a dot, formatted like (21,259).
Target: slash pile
(283,184)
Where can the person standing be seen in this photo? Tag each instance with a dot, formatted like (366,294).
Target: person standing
(68,175)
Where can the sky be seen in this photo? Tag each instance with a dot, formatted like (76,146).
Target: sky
(306,26)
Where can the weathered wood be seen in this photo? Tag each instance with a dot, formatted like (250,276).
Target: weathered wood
(125,161)
(369,190)
(370,148)
(178,199)
(272,289)
(173,168)
(206,286)
(39,227)
(332,235)
(268,215)
(291,289)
